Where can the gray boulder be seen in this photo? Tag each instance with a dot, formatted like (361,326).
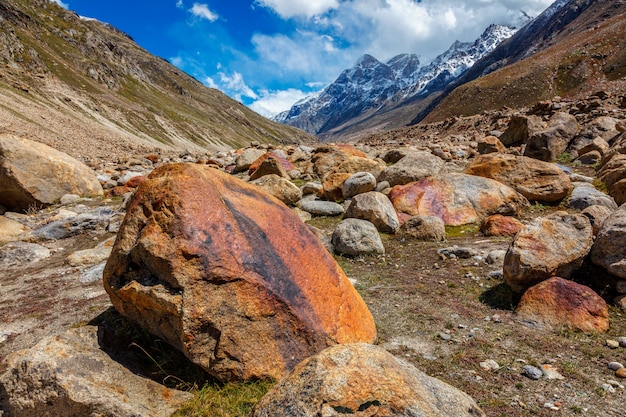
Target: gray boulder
(426,228)
(376,208)
(322,208)
(359,183)
(413,167)
(585,195)
(548,144)
(246,158)
(354,237)
(609,248)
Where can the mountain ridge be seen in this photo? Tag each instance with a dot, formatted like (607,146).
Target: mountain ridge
(540,48)
(88,89)
(372,87)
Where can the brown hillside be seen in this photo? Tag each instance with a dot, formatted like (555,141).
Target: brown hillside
(588,55)
(88,89)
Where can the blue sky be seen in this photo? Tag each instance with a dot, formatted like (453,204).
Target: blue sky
(270,53)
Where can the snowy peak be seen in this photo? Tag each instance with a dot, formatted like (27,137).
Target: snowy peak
(371,85)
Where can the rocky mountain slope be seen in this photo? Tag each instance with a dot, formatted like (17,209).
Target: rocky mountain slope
(371,90)
(89,90)
(573,49)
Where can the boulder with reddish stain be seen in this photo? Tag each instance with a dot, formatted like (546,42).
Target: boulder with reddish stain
(557,302)
(536,180)
(135,181)
(229,275)
(332,186)
(362,380)
(268,164)
(499,225)
(551,246)
(457,199)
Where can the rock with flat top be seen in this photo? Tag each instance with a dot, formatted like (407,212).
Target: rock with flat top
(362,380)
(35,175)
(457,199)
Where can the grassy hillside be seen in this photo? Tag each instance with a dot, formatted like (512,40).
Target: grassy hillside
(66,81)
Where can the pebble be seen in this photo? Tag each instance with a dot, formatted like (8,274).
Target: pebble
(622,341)
(608,388)
(550,373)
(621,373)
(615,384)
(614,366)
(613,344)
(532,372)
(551,406)
(490,365)
(445,336)
(498,274)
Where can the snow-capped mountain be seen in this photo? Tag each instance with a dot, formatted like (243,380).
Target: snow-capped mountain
(371,85)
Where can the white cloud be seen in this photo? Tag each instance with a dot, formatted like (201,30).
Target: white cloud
(202,11)
(177,61)
(292,8)
(234,86)
(180,4)
(60,3)
(209,82)
(307,54)
(270,103)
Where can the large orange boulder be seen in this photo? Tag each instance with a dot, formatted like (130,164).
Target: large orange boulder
(558,302)
(229,275)
(457,199)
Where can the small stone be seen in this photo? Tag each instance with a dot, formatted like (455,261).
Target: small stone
(608,388)
(613,344)
(551,406)
(621,287)
(622,341)
(445,336)
(621,373)
(614,383)
(614,366)
(550,373)
(533,372)
(490,365)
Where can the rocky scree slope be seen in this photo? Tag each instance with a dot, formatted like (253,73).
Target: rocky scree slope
(90,90)
(448,310)
(362,96)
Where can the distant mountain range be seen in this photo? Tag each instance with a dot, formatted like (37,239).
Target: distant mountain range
(372,88)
